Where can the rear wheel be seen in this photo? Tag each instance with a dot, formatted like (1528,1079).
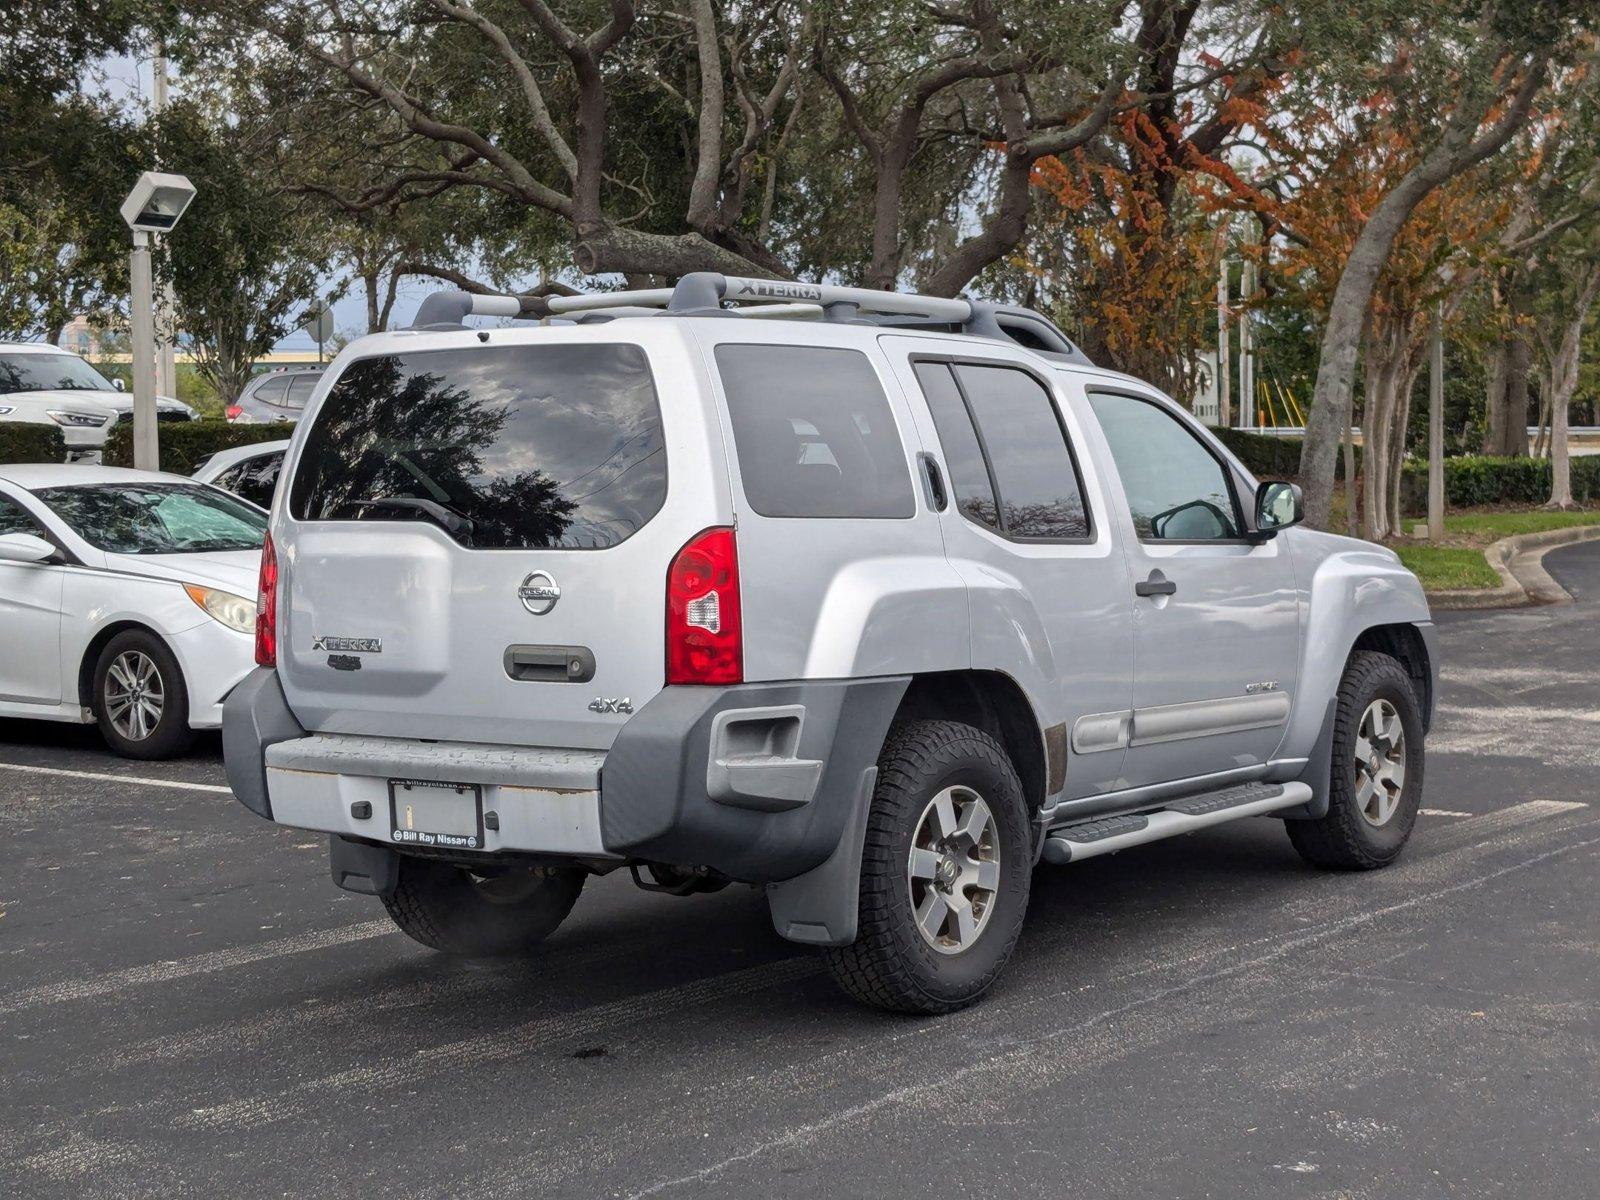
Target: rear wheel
(140,701)
(944,873)
(458,911)
(1375,788)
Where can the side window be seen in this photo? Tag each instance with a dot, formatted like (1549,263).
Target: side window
(259,479)
(813,432)
(271,392)
(1007,453)
(300,388)
(1177,490)
(14,520)
(228,480)
(963,457)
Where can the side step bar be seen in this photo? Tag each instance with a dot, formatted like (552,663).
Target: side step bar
(1106,835)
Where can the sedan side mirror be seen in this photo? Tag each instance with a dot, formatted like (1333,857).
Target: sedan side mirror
(117,383)
(25,548)
(1278,506)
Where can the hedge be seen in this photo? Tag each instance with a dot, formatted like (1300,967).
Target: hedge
(1476,479)
(1272,457)
(24,442)
(185,443)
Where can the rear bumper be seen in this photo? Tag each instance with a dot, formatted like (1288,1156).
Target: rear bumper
(758,782)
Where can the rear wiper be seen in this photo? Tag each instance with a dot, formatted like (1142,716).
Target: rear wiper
(452,522)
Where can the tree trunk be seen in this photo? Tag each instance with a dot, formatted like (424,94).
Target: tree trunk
(1401,423)
(1453,153)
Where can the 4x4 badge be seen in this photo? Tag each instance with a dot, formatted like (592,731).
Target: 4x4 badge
(538,593)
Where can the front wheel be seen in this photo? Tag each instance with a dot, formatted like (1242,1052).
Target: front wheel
(481,914)
(944,872)
(140,701)
(1375,787)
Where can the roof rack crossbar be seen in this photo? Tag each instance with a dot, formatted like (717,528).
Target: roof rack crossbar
(702,289)
(705,293)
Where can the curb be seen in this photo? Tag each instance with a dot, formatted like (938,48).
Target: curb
(1519,561)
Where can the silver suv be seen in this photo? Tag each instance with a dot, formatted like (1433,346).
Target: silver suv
(873,605)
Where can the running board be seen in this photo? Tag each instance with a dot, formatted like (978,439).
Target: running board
(1106,835)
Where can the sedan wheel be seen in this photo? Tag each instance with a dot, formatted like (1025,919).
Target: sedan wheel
(134,695)
(140,701)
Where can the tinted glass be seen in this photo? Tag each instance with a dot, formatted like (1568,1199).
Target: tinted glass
(271,392)
(156,518)
(300,388)
(1040,496)
(254,479)
(814,433)
(505,447)
(49,372)
(963,458)
(1176,490)
(14,520)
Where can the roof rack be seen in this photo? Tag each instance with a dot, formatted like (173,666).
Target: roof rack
(707,293)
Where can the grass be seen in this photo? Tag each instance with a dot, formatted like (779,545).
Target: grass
(1448,568)
(1458,562)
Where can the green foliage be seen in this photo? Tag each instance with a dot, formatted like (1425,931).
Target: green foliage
(22,442)
(1447,568)
(1474,480)
(1491,526)
(184,445)
(1270,457)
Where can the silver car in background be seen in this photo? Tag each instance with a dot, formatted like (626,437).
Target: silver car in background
(277,396)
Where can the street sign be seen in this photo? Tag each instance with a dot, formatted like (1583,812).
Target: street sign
(319,324)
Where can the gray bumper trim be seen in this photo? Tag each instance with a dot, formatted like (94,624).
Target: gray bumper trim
(458,762)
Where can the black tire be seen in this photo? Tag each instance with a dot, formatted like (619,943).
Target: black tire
(892,964)
(170,735)
(1344,839)
(449,909)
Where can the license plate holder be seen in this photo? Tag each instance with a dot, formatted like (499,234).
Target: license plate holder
(436,814)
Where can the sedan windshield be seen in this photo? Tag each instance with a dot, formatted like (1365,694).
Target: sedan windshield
(157,518)
(49,373)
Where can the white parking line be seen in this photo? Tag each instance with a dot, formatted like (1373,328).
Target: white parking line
(1443,812)
(106,777)
(183,968)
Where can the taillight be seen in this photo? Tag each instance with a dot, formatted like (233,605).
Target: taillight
(267,607)
(233,411)
(705,642)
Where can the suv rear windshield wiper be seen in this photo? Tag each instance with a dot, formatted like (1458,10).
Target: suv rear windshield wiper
(448,519)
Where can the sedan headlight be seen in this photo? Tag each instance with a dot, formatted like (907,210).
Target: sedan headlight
(62,417)
(233,611)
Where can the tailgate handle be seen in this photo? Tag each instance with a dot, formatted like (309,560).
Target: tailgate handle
(549,664)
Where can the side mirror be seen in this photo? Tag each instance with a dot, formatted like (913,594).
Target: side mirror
(25,548)
(1278,506)
(117,383)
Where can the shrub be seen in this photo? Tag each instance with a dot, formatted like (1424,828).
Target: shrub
(25,442)
(1272,457)
(1475,479)
(185,443)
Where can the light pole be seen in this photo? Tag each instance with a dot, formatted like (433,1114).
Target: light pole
(153,206)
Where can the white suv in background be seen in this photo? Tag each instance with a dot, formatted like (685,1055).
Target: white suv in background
(41,383)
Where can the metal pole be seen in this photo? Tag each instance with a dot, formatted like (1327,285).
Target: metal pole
(1244,346)
(166,323)
(1224,367)
(1436,430)
(146,454)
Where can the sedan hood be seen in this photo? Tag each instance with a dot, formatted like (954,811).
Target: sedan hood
(233,571)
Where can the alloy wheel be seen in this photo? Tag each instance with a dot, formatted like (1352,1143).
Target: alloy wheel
(134,695)
(954,869)
(1380,763)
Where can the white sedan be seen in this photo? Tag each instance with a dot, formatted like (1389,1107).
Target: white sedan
(127,598)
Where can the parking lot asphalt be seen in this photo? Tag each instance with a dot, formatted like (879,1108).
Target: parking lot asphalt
(189,1007)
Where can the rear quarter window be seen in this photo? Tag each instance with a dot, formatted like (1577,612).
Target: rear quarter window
(505,447)
(814,433)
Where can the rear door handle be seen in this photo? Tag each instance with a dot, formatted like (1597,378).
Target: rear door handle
(1157,585)
(932,482)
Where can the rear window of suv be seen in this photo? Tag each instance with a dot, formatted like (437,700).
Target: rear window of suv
(814,433)
(504,447)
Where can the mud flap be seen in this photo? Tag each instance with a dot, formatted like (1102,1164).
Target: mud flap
(822,907)
(362,867)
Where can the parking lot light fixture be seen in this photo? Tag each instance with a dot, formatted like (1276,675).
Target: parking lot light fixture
(156,204)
